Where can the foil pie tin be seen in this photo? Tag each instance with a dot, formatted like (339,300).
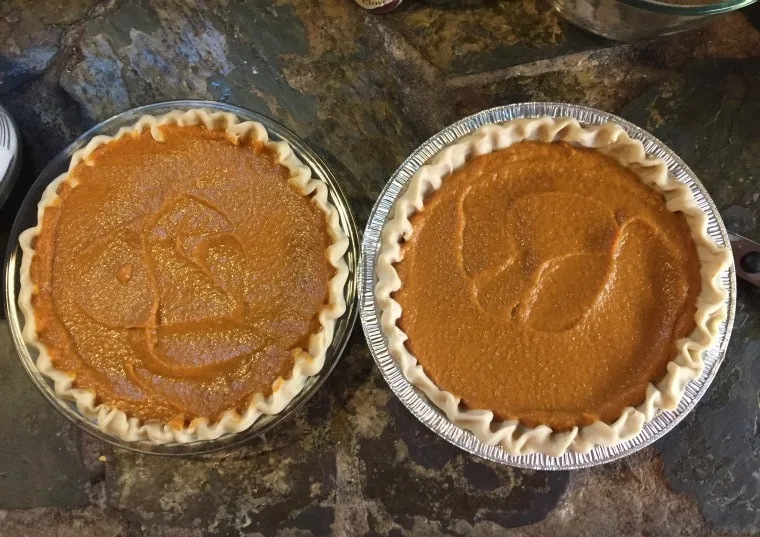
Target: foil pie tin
(417,402)
(27,217)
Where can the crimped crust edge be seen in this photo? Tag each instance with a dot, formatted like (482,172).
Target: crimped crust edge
(113,421)
(612,140)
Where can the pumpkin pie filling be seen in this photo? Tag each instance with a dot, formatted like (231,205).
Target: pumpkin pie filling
(177,278)
(546,283)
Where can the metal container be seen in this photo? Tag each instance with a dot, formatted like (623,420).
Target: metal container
(426,411)
(27,217)
(627,20)
(10,154)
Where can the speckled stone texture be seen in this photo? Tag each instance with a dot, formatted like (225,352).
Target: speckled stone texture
(364,91)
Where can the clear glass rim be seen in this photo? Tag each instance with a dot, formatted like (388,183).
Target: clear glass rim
(688,11)
(27,214)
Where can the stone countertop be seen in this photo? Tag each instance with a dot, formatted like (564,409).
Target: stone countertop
(364,91)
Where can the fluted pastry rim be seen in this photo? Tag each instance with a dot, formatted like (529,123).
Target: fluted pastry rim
(609,139)
(116,422)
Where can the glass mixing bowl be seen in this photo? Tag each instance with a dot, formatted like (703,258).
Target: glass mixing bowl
(27,217)
(628,20)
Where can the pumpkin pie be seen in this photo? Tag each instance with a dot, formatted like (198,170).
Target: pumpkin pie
(549,286)
(184,277)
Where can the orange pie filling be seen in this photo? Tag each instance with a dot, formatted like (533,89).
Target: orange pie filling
(178,278)
(546,283)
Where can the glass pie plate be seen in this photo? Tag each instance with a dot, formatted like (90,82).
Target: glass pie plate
(429,414)
(27,217)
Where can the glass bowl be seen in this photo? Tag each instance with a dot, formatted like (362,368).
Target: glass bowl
(27,217)
(627,20)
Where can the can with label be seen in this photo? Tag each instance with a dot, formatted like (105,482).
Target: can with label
(379,6)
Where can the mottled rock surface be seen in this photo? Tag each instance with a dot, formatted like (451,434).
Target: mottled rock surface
(716,455)
(364,91)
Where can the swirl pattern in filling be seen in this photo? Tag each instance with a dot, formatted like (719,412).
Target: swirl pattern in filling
(177,278)
(546,283)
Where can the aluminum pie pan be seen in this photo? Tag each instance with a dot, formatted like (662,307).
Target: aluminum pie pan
(429,414)
(27,217)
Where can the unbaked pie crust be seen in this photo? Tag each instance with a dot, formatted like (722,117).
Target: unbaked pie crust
(116,422)
(613,141)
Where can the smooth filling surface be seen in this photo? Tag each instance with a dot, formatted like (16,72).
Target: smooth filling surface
(178,278)
(546,283)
